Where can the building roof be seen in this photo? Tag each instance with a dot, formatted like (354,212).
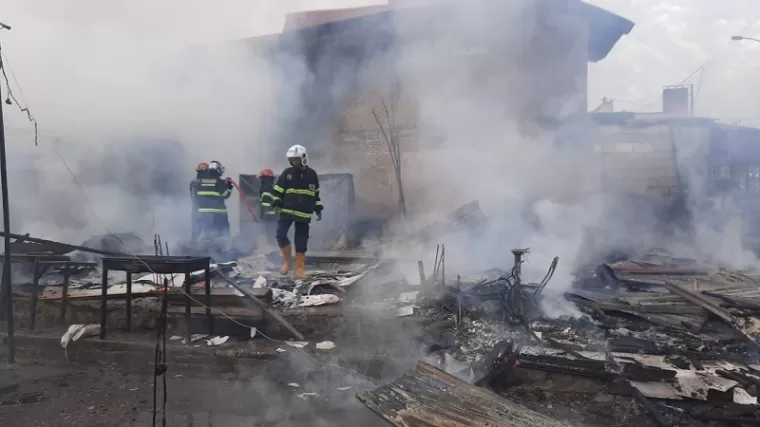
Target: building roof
(313,18)
(723,131)
(631,119)
(604,28)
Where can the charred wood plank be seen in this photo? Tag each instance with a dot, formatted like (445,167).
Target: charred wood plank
(594,368)
(428,397)
(711,307)
(664,271)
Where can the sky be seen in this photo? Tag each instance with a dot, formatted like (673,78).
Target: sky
(671,40)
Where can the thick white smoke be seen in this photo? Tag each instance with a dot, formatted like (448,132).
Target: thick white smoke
(490,79)
(132,98)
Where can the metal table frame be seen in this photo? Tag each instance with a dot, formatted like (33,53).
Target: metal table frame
(158,265)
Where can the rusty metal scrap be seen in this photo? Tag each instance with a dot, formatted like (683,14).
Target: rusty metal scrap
(429,397)
(27,244)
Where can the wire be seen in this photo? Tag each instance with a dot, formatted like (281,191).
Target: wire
(13,76)
(12,97)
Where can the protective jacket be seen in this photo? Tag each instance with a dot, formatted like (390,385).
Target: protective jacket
(297,193)
(194,190)
(210,194)
(266,197)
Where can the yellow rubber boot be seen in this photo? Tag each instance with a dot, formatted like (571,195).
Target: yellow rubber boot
(300,272)
(286,257)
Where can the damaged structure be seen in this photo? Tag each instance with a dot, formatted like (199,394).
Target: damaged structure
(653,340)
(678,336)
(665,340)
(368,91)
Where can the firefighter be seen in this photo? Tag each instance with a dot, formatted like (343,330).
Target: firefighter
(267,213)
(296,198)
(200,172)
(211,194)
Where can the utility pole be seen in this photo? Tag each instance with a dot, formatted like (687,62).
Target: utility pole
(6,228)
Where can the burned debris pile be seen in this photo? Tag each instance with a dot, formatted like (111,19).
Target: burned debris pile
(670,341)
(58,290)
(677,338)
(426,396)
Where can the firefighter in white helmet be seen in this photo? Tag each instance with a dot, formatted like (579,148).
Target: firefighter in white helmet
(296,198)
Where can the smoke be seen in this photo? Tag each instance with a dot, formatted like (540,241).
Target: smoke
(129,100)
(491,83)
(487,75)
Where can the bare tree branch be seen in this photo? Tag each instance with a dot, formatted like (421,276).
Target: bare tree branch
(388,142)
(394,150)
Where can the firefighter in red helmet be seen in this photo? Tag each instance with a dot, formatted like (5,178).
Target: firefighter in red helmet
(201,171)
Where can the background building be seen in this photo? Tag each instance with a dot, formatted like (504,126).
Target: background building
(374,70)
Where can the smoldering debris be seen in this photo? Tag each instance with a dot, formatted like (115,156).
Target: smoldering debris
(673,340)
(245,291)
(675,337)
(418,394)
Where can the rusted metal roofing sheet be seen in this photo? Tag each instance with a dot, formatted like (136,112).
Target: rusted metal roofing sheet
(429,397)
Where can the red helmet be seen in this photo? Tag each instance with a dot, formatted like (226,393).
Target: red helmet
(266,172)
(202,166)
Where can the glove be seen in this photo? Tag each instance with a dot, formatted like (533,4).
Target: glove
(229,183)
(319,216)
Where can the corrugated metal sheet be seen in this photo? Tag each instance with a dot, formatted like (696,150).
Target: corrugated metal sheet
(429,397)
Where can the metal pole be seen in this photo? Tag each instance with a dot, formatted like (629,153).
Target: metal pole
(6,237)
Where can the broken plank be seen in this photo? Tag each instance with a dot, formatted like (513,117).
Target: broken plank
(710,306)
(669,271)
(427,396)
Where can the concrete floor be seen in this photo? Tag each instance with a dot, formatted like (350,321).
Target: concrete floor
(91,395)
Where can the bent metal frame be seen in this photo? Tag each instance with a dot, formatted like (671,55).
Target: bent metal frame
(167,265)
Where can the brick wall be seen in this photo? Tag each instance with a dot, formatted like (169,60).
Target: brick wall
(362,147)
(544,78)
(642,160)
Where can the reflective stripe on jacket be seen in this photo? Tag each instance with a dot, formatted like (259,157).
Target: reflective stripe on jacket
(210,195)
(266,195)
(297,193)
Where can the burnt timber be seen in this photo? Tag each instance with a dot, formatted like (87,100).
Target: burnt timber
(429,397)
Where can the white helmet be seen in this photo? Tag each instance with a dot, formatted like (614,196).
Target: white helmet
(298,151)
(215,165)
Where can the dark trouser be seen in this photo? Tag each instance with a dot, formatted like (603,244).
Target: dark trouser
(222,223)
(301,234)
(213,225)
(196,224)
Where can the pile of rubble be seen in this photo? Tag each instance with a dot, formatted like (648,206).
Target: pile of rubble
(321,287)
(677,336)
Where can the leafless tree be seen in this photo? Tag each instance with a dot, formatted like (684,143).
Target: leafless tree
(394,150)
